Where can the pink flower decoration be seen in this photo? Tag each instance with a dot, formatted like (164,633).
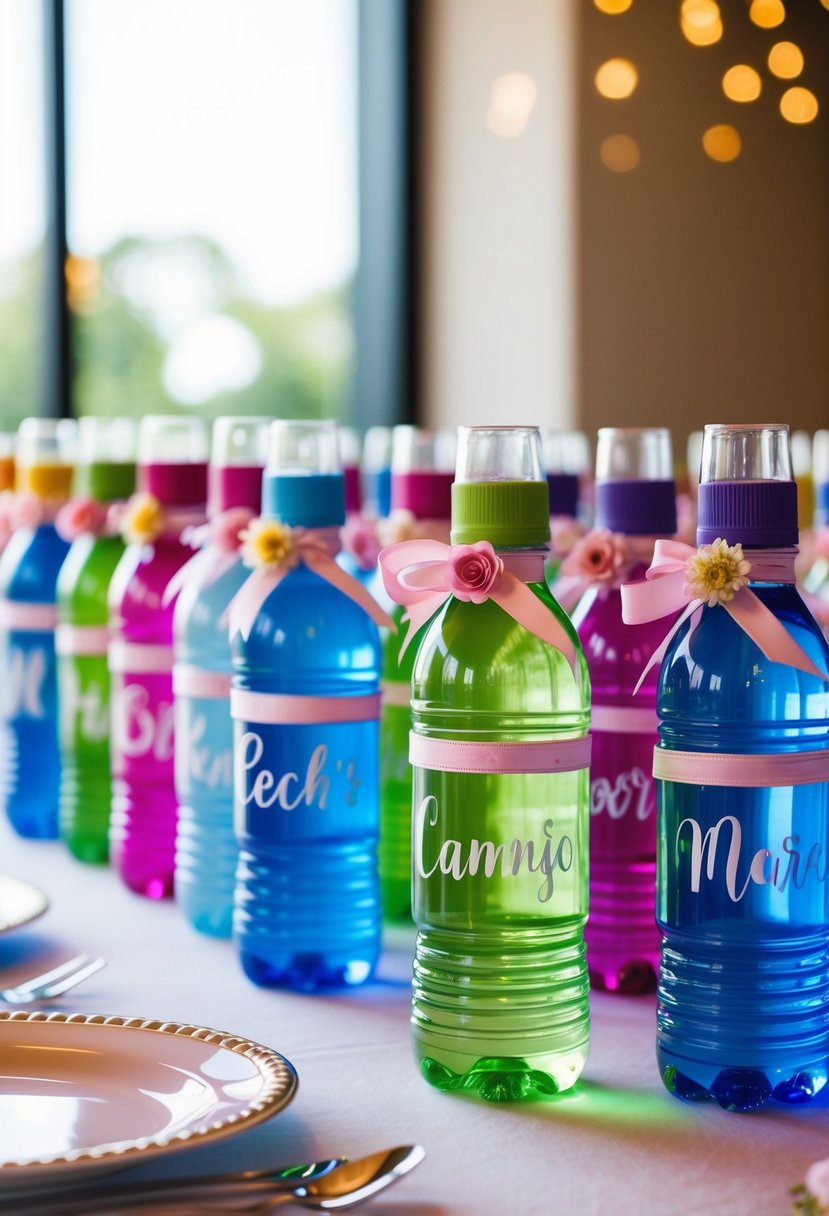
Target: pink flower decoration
(359,538)
(27,511)
(817,1180)
(597,557)
(565,533)
(226,528)
(473,571)
(80,515)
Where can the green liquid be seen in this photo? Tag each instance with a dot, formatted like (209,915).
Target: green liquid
(500,994)
(395,848)
(84,699)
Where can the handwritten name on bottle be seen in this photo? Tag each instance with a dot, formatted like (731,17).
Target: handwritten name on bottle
(634,788)
(87,705)
(206,767)
(25,679)
(289,790)
(457,859)
(139,727)
(765,868)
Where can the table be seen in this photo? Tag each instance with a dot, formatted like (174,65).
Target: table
(618,1144)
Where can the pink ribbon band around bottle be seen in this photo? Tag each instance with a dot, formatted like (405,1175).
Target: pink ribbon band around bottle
(29,618)
(738,770)
(539,756)
(143,658)
(663,592)
(423,574)
(287,709)
(81,639)
(190,681)
(316,549)
(624,719)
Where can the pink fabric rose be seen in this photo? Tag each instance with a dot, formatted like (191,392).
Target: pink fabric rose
(80,515)
(226,528)
(597,557)
(817,1181)
(565,533)
(360,540)
(473,571)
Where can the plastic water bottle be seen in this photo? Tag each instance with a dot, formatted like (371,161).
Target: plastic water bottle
(742,876)
(205,845)
(305,703)
(816,580)
(376,470)
(635,503)
(566,456)
(172,483)
(104,477)
(28,615)
(500,852)
(421,505)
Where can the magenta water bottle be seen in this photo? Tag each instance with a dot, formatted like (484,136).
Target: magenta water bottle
(423,469)
(172,481)
(635,504)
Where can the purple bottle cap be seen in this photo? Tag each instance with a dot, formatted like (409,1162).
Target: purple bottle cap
(635,490)
(237,459)
(747,494)
(564,493)
(172,459)
(428,495)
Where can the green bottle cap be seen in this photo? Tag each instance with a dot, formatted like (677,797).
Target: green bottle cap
(500,492)
(104,480)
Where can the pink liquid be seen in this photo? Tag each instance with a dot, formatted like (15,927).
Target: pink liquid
(144,806)
(621,935)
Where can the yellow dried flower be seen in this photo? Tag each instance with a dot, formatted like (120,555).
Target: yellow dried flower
(266,543)
(143,520)
(716,572)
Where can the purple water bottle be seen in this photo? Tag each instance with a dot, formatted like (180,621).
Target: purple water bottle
(172,481)
(635,504)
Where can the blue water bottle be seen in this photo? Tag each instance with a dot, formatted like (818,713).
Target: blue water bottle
(28,616)
(305,703)
(742,901)
(205,844)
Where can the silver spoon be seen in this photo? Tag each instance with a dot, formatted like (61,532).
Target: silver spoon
(347,1184)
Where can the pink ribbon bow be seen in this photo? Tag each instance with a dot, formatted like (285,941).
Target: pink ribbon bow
(218,543)
(423,574)
(313,549)
(664,591)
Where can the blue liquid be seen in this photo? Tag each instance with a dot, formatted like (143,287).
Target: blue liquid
(206,851)
(31,777)
(307,902)
(743,1013)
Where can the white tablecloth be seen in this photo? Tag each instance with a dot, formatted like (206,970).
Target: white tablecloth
(617,1144)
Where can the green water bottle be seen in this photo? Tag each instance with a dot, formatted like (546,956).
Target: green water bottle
(500,753)
(104,477)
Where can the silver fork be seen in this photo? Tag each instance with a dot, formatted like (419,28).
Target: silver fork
(53,983)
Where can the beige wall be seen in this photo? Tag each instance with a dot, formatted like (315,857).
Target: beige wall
(498,330)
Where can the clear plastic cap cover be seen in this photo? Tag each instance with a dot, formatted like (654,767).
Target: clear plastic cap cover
(801,454)
(47,441)
(107,440)
(693,455)
(8,444)
(303,447)
(415,450)
(240,442)
(377,449)
(566,452)
(752,452)
(820,457)
(349,447)
(499,453)
(172,439)
(634,454)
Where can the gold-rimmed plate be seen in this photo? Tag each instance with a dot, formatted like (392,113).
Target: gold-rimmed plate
(20,903)
(82,1093)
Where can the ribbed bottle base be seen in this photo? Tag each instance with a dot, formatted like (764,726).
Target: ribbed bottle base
(622,936)
(83,811)
(308,919)
(505,1016)
(142,838)
(206,856)
(30,778)
(743,1024)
